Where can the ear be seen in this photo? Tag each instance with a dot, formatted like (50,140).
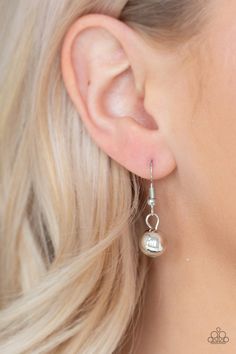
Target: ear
(104,67)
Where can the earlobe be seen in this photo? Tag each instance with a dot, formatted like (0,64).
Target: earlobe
(104,74)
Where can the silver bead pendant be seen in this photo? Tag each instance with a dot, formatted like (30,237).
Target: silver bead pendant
(152,243)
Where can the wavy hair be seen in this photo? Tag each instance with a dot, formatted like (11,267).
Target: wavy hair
(72,279)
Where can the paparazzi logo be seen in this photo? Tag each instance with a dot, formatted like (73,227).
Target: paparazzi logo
(218,337)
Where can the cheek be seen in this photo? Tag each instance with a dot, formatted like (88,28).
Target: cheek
(219,93)
(217,105)
(216,121)
(218,86)
(211,137)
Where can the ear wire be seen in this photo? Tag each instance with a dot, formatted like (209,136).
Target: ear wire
(151,199)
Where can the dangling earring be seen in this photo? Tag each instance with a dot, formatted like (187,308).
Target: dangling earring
(152,243)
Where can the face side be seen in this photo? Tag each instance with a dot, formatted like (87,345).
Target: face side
(198,106)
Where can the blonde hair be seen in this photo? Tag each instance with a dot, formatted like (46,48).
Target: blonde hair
(72,279)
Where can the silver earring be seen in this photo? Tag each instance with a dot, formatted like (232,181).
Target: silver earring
(152,243)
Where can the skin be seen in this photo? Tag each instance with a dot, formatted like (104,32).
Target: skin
(177,106)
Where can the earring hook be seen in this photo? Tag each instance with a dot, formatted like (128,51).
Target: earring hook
(151,168)
(151,198)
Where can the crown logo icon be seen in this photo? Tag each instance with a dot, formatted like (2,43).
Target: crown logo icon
(218,337)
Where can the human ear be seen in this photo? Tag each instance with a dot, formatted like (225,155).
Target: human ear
(104,67)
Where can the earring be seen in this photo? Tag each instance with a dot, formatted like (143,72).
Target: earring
(152,243)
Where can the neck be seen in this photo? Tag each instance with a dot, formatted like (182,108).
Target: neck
(192,286)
